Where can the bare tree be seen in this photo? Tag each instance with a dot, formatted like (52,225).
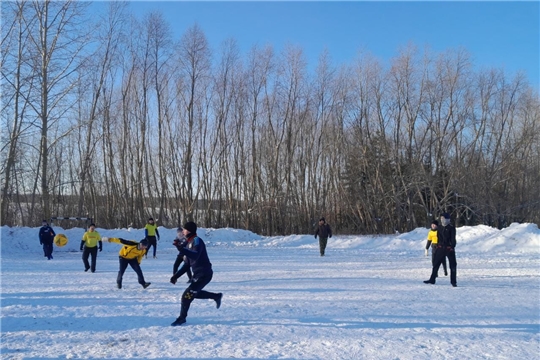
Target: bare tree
(58,38)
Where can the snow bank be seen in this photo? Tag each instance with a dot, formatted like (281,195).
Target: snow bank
(517,238)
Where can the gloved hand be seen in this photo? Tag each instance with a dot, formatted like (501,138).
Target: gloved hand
(315,236)
(81,249)
(41,243)
(173,279)
(426,252)
(100,248)
(158,238)
(449,248)
(330,237)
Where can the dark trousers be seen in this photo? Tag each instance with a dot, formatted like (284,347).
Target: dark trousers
(89,251)
(151,242)
(134,265)
(176,266)
(433,251)
(195,291)
(440,255)
(48,249)
(322,244)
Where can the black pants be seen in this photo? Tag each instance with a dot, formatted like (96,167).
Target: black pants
(48,249)
(322,244)
(433,251)
(440,255)
(176,266)
(89,251)
(134,265)
(151,242)
(195,291)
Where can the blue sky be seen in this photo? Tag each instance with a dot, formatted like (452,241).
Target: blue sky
(496,34)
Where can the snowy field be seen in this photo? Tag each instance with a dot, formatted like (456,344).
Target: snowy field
(364,300)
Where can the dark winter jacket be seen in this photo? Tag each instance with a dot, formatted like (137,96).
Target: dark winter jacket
(323,231)
(196,258)
(46,235)
(446,236)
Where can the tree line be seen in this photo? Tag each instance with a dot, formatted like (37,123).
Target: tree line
(110,116)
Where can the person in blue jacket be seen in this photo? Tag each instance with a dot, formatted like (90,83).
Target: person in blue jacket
(46,238)
(180,242)
(197,259)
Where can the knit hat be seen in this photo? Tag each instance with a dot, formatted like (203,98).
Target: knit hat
(446,215)
(435,222)
(191,227)
(322,219)
(150,219)
(144,242)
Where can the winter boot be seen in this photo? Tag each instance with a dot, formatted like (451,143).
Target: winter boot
(179,321)
(218,300)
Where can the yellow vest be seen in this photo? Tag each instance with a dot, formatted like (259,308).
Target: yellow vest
(129,251)
(151,229)
(91,238)
(432,235)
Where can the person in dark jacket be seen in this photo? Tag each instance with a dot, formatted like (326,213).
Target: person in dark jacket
(197,259)
(180,242)
(432,241)
(324,232)
(446,245)
(46,238)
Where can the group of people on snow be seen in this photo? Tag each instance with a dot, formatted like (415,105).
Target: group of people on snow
(191,252)
(196,264)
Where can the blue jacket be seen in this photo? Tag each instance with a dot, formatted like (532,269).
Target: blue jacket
(196,258)
(46,235)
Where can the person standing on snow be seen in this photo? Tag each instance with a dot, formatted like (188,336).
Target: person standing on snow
(130,254)
(432,241)
(324,232)
(446,236)
(196,257)
(90,243)
(46,238)
(150,233)
(180,242)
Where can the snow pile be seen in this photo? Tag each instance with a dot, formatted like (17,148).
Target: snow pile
(517,238)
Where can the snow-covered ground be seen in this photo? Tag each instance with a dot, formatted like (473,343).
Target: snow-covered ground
(364,300)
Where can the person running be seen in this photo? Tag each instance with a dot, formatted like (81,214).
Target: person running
(90,244)
(324,231)
(46,238)
(130,254)
(197,259)
(150,233)
(432,241)
(446,248)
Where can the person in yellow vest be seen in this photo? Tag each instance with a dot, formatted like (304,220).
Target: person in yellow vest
(90,244)
(432,241)
(150,233)
(130,254)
